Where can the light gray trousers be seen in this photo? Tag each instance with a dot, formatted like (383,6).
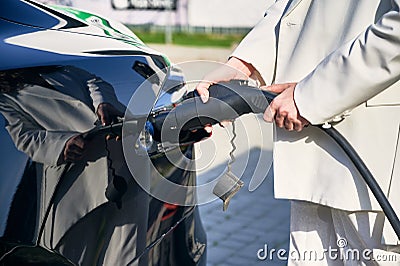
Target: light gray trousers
(320,235)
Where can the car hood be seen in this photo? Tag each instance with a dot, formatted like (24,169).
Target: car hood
(32,34)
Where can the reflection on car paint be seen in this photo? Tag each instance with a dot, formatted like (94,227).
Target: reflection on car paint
(170,233)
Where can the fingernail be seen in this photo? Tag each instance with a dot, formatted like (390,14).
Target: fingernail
(204,98)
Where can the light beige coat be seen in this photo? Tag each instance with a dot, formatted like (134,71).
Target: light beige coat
(346,57)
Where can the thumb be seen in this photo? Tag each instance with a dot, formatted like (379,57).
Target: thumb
(269,114)
(103,116)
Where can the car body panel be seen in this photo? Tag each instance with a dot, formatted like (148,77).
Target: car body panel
(28,37)
(34,35)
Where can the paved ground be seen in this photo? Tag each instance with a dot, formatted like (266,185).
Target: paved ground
(253,219)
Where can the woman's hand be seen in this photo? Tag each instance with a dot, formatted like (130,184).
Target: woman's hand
(283,109)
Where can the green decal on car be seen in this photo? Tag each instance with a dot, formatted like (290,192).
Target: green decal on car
(108,30)
(101,23)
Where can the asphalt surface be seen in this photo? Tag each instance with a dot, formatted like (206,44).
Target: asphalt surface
(254,220)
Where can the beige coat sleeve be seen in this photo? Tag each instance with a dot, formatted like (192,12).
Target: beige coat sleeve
(100,90)
(39,144)
(354,73)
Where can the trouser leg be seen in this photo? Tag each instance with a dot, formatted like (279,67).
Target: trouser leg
(320,235)
(311,235)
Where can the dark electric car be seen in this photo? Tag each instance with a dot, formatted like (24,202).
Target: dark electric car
(51,215)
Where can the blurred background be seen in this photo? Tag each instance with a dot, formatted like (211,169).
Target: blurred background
(189,22)
(188,30)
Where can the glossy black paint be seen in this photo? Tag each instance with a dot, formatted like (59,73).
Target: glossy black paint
(174,234)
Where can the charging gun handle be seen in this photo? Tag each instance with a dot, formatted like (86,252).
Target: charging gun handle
(227,101)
